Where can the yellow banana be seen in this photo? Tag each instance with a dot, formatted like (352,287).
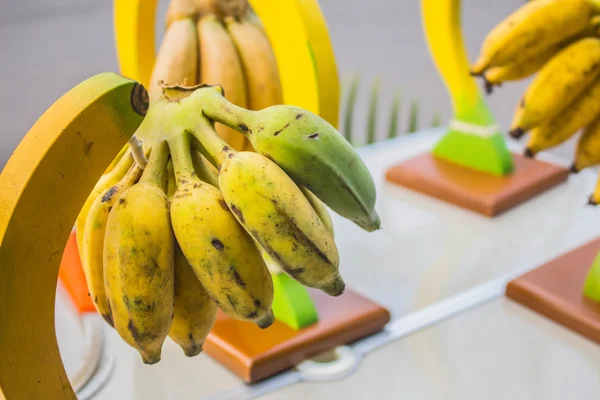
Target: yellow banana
(532,29)
(220,252)
(578,114)
(138,261)
(515,71)
(557,84)
(107,180)
(220,64)
(280,218)
(259,63)
(587,153)
(93,240)
(194,313)
(177,58)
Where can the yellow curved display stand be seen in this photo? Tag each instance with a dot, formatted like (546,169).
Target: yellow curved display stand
(42,188)
(296,29)
(473,138)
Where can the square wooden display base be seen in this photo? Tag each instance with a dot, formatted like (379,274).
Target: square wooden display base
(255,354)
(474,190)
(556,291)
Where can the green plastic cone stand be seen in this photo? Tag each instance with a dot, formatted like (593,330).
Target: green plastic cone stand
(473,138)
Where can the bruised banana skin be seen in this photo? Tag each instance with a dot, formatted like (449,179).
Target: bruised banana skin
(139,262)
(533,28)
(107,180)
(93,241)
(311,151)
(279,217)
(587,153)
(220,64)
(194,312)
(578,114)
(177,58)
(220,252)
(557,84)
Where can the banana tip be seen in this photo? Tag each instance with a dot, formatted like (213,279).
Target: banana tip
(151,358)
(528,153)
(592,201)
(370,225)
(573,169)
(516,133)
(488,86)
(266,321)
(336,288)
(193,350)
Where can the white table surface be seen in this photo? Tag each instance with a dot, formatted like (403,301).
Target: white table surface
(426,252)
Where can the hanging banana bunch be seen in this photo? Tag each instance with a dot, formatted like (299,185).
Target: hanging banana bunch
(167,239)
(559,42)
(219,42)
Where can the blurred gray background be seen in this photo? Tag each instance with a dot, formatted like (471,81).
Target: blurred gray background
(48,46)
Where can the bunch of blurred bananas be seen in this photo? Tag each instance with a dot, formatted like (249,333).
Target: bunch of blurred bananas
(219,42)
(181,223)
(558,40)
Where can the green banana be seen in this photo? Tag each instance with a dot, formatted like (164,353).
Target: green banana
(311,151)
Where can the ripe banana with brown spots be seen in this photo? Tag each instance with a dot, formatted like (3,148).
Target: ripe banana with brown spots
(93,240)
(177,58)
(280,218)
(220,64)
(139,261)
(222,255)
(194,312)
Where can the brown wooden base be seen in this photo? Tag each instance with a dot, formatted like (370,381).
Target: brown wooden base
(555,290)
(474,190)
(255,354)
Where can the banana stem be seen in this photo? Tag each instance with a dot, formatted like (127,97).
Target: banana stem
(216,107)
(182,158)
(212,146)
(138,152)
(155,169)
